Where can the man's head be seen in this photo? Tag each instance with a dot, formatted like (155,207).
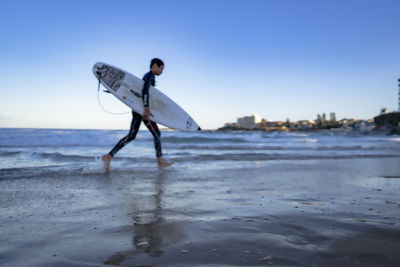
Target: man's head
(157,66)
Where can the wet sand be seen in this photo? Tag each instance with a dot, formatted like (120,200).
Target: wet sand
(279,213)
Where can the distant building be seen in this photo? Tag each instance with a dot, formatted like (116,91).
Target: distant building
(305,125)
(274,123)
(364,126)
(346,123)
(249,121)
(367,126)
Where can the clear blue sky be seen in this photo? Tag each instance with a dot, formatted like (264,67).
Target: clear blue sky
(224,59)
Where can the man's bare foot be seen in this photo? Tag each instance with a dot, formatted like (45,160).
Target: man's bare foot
(106,160)
(162,164)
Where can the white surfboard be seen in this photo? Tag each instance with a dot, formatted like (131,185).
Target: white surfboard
(128,88)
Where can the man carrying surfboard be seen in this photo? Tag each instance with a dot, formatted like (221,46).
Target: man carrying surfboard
(156,68)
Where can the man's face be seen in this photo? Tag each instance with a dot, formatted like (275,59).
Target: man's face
(158,70)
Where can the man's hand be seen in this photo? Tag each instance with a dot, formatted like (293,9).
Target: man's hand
(147,113)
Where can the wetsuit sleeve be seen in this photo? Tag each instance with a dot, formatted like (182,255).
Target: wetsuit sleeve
(145,91)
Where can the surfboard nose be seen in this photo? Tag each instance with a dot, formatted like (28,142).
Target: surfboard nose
(97,70)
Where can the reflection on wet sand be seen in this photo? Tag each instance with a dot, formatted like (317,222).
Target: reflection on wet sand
(147,216)
(149,227)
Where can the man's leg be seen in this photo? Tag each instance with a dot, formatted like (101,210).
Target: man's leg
(153,128)
(135,124)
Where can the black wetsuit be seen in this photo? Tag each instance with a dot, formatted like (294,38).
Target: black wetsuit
(149,79)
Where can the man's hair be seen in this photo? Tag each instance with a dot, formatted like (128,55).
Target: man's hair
(156,61)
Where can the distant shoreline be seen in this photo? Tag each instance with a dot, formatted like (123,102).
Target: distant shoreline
(330,130)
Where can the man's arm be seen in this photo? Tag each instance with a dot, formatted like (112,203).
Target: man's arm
(145,95)
(145,90)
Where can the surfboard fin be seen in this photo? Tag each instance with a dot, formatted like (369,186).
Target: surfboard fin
(106,91)
(199,129)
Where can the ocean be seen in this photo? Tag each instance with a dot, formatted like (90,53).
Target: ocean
(29,152)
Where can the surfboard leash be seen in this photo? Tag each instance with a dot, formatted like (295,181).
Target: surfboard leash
(101,106)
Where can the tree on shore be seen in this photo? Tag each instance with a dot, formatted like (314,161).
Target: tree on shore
(319,121)
(332,121)
(324,123)
(287,123)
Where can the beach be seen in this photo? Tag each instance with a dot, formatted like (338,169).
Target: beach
(230,199)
